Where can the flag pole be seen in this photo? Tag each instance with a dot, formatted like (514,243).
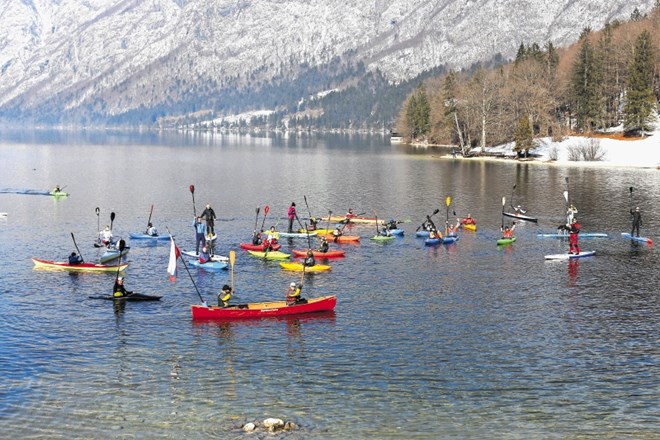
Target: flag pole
(185,264)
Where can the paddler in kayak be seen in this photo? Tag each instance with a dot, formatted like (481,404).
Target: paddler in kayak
(151,230)
(309,259)
(434,233)
(204,256)
(452,230)
(293,294)
(507,231)
(271,238)
(106,236)
(324,245)
(350,214)
(224,296)
(469,220)
(119,291)
(256,237)
(428,224)
(338,232)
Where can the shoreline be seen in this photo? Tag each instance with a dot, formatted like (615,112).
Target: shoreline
(577,164)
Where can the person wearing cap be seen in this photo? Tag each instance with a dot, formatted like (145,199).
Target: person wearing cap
(151,230)
(293,294)
(119,290)
(209,215)
(636,221)
(224,296)
(291,213)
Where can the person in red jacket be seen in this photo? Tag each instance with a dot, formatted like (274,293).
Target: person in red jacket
(573,231)
(291,213)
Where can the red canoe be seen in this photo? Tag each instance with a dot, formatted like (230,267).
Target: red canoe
(264,309)
(258,247)
(318,254)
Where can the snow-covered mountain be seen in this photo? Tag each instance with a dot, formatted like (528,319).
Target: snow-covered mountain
(110,57)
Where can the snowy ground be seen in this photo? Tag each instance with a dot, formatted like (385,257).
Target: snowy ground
(643,152)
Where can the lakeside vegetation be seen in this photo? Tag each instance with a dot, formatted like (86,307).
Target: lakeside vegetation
(609,78)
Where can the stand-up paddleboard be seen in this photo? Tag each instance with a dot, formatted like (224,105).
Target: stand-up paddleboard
(570,256)
(582,235)
(633,238)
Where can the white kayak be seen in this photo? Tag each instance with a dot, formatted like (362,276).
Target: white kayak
(570,256)
(218,258)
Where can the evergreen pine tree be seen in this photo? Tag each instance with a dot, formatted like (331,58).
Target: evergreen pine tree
(524,136)
(640,99)
(586,94)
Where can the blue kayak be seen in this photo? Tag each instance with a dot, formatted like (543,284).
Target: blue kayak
(634,238)
(143,236)
(209,265)
(422,234)
(443,240)
(397,232)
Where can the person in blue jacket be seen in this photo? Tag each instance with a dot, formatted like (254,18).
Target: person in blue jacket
(200,233)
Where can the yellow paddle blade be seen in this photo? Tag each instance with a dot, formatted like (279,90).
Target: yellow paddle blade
(232,257)
(448,201)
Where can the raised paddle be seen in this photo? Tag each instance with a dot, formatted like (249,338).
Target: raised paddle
(149,221)
(447,203)
(122,246)
(631,202)
(266,209)
(112,219)
(308,211)
(503,203)
(98,220)
(192,192)
(74,243)
(256,220)
(232,260)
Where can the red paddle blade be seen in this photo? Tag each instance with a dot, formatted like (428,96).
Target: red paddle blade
(266,209)
(192,188)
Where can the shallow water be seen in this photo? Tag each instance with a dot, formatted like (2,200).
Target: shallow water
(461,341)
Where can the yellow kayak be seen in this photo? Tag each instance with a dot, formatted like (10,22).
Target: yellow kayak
(298,267)
(470,227)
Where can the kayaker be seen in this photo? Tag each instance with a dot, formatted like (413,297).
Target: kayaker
(573,231)
(434,233)
(309,260)
(209,215)
(256,237)
(428,224)
(636,221)
(293,294)
(324,245)
(224,296)
(151,230)
(385,231)
(75,259)
(312,224)
(271,238)
(507,232)
(338,232)
(119,290)
(519,209)
(291,213)
(106,235)
(57,189)
(452,230)
(200,233)
(204,255)
(468,220)
(350,213)
(391,224)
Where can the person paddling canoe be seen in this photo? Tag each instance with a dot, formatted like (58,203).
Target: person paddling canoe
(293,294)
(75,259)
(507,231)
(224,296)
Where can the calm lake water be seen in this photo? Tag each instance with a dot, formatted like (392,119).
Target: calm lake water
(461,341)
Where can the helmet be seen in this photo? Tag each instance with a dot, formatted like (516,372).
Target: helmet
(293,284)
(120,279)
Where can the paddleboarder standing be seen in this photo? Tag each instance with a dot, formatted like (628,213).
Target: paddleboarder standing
(200,233)
(209,215)
(291,213)
(636,221)
(573,231)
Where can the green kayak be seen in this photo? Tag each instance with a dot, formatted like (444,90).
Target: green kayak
(272,255)
(505,241)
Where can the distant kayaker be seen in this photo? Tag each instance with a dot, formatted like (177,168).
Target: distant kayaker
(324,245)
(291,213)
(636,220)
(519,209)
(293,294)
(350,213)
(204,255)
(468,220)
(75,259)
(272,237)
(391,224)
(256,237)
(119,290)
(200,233)
(434,233)
(313,222)
(507,231)
(452,230)
(338,232)
(224,296)
(57,189)
(106,235)
(309,260)
(151,230)
(209,215)
(428,224)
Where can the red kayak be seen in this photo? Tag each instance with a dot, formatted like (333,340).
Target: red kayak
(263,309)
(258,247)
(318,254)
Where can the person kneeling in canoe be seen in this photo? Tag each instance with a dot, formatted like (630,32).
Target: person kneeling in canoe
(293,295)
(75,259)
(224,296)
(309,260)
(119,290)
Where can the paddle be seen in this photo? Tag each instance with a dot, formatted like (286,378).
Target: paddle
(74,243)
(98,220)
(192,192)
(266,209)
(376,217)
(447,202)
(232,260)
(512,191)
(149,221)
(256,220)
(308,211)
(112,219)
(122,246)
(631,201)
(185,265)
(503,203)
(434,213)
